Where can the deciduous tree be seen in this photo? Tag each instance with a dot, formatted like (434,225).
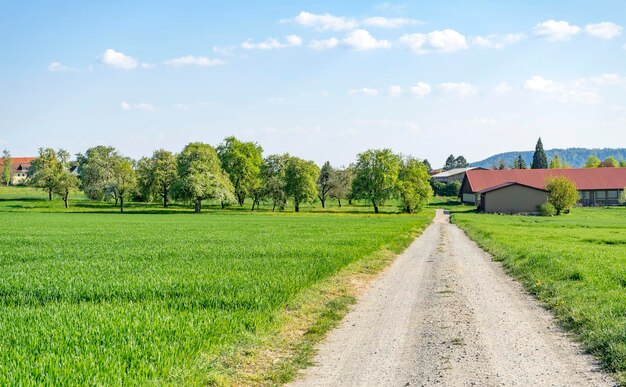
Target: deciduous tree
(376,174)
(43,170)
(300,180)
(242,163)
(65,181)
(342,184)
(200,176)
(124,180)
(6,167)
(325,182)
(562,193)
(592,162)
(273,179)
(156,175)
(413,185)
(609,162)
(95,169)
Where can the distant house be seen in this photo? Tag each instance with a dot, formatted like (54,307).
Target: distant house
(19,168)
(521,190)
(456,174)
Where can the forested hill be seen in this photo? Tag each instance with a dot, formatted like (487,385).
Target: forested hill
(576,157)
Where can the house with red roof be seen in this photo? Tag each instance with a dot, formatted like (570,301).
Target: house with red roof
(19,168)
(521,190)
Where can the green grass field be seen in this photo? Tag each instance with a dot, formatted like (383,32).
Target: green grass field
(155,297)
(576,263)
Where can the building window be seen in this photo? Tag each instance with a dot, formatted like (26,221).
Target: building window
(611,194)
(601,195)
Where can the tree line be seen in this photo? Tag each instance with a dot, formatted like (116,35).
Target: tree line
(231,173)
(540,161)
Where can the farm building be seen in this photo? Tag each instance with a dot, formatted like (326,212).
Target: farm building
(19,168)
(456,174)
(516,189)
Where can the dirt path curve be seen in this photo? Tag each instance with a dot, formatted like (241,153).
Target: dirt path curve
(443,313)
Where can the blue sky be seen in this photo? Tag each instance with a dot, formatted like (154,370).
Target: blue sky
(319,79)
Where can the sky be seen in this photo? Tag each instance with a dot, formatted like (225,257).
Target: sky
(322,80)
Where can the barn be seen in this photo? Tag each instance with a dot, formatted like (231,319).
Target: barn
(514,189)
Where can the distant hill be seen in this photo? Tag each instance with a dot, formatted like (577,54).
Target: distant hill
(576,157)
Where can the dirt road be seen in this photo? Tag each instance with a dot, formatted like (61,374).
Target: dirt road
(445,314)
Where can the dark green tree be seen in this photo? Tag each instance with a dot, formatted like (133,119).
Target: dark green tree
(450,163)
(519,163)
(460,162)
(325,182)
(540,161)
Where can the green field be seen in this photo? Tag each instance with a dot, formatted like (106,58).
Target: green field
(576,263)
(159,297)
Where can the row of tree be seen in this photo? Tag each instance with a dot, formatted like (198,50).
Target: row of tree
(231,173)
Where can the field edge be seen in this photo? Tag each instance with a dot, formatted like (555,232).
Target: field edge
(278,357)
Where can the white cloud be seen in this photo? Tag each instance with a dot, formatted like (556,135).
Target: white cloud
(436,41)
(118,60)
(362,40)
(146,107)
(553,30)
(461,89)
(364,91)
(421,89)
(56,67)
(325,22)
(502,88)
(385,22)
(225,50)
(562,92)
(604,30)
(605,79)
(272,43)
(191,60)
(497,40)
(324,44)
(394,91)
(181,106)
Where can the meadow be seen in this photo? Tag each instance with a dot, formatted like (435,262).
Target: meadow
(575,263)
(153,296)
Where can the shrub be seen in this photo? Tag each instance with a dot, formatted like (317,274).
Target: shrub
(546,209)
(562,193)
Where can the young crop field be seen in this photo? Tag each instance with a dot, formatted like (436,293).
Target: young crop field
(102,298)
(576,263)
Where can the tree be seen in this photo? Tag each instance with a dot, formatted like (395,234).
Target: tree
(562,193)
(450,162)
(200,176)
(65,181)
(342,183)
(555,163)
(427,164)
(622,163)
(375,176)
(460,162)
(325,182)
(124,179)
(500,165)
(44,169)
(413,185)
(609,162)
(452,189)
(157,174)
(592,162)
(242,163)
(95,169)
(519,163)
(540,161)
(300,180)
(6,167)
(273,180)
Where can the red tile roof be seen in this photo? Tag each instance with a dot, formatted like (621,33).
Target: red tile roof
(583,178)
(17,161)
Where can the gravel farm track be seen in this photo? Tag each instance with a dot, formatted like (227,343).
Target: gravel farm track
(445,314)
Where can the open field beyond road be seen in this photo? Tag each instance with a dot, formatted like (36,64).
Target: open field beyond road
(575,263)
(108,298)
(445,314)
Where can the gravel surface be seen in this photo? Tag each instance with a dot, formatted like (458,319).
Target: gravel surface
(445,314)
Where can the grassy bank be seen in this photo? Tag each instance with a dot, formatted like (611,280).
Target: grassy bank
(576,263)
(171,297)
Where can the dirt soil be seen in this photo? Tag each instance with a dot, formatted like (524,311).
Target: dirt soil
(445,314)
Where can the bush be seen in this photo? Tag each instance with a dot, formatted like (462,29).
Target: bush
(562,193)
(546,209)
